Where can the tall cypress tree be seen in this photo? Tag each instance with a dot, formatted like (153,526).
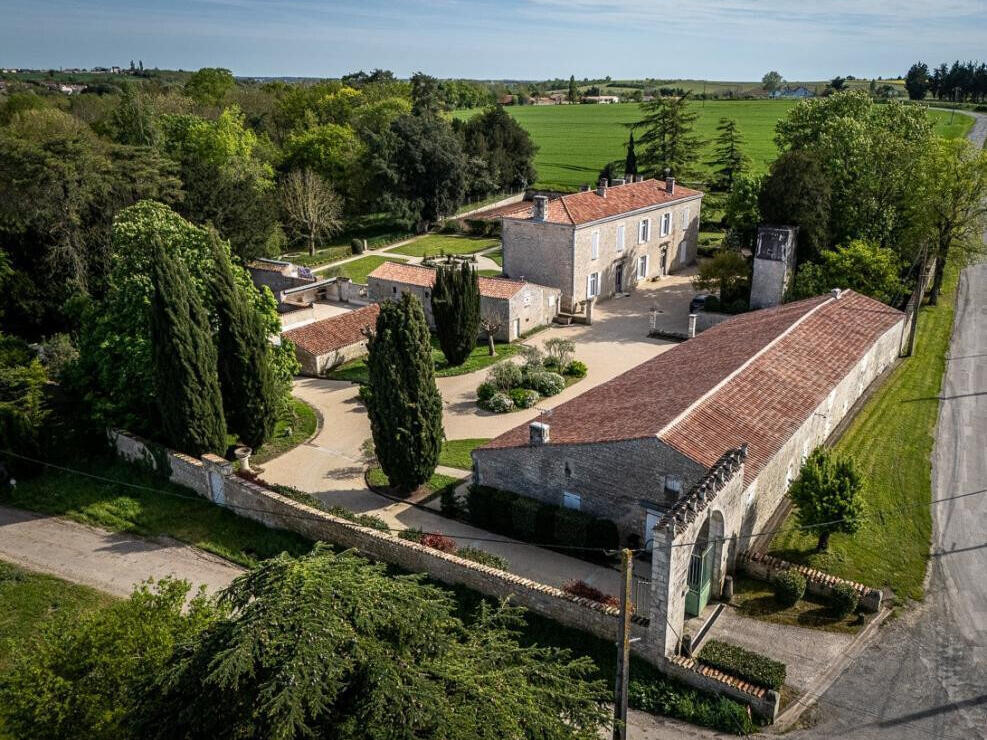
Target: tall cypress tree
(456,310)
(630,161)
(245,375)
(404,404)
(186,385)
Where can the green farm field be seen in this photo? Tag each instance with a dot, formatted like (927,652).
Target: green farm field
(576,141)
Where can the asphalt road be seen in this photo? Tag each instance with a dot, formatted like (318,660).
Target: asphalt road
(926,676)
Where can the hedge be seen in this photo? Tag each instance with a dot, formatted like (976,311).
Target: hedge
(668,697)
(743,664)
(528,520)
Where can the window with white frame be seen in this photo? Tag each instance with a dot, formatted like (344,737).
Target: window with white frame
(571,500)
(594,247)
(593,285)
(642,267)
(685,219)
(666,224)
(644,231)
(620,237)
(673,486)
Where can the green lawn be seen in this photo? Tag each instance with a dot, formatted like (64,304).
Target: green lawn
(489,273)
(160,509)
(355,371)
(497,257)
(576,141)
(290,431)
(891,440)
(456,452)
(357,270)
(32,600)
(756,599)
(436,484)
(435,244)
(378,229)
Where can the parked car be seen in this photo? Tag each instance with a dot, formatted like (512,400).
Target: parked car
(698,302)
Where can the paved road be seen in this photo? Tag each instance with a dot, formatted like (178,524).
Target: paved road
(113,563)
(927,675)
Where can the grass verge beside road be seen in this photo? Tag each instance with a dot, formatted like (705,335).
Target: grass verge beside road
(435,244)
(355,371)
(159,508)
(891,441)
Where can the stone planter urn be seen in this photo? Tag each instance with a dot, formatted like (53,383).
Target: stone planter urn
(243,454)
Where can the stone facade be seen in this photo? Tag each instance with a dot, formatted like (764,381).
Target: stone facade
(620,481)
(774,265)
(561,255)
(318,365)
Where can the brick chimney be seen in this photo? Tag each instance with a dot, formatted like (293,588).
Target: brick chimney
(601,187)
(538,209)
(538,433)
(669,184)
(584,188)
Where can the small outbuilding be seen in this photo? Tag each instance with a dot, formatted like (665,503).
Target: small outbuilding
(322,345)
(521,306)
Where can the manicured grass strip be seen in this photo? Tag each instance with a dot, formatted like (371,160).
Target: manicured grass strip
(355,371)
(435,244)
(497,257)
(32,600)
(438,481)
(290,431)
(490,273)
(949,125)
(357,270)
(756,599)
(891,441)
(165,510)
(744,664)
(456,452)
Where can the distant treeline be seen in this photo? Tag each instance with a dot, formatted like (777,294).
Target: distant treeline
(959,82)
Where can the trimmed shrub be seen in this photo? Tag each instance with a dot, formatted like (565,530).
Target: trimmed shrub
(439,542)
(499,403)
(571,527)
(478,505)
(449,503)
(844,600)
(364,394)
(505,376)
(501,508)
(524,398)
(452,226)
(483,557)
(357,246)
(547,384)
(576,369)
(477,226)
(744,664)
(485,391)
(412,534)
(524,518)
(789,587)
(603,533)
(585,591)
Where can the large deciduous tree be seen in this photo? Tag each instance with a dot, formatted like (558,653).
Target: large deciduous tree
(404,404)
(456,310)
(504,148)
(330,646)
(311,205)
(862,266)
(210,85)
(667,142)
(950,205)
(185,379)
(797,192)
(827,497)
(772,81)
(249,388)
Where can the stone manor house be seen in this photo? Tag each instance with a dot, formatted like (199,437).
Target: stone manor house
(598,243)
(691,452)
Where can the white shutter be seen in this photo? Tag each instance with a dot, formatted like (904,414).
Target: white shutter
(594,251)
(620,237)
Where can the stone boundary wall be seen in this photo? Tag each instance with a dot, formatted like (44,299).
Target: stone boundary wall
(708,319)
(765,567)
(763,702)
(509,200)
(212,477)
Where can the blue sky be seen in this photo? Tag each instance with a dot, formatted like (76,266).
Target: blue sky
(498,39)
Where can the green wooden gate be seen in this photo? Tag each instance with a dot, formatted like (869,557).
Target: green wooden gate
(700,577)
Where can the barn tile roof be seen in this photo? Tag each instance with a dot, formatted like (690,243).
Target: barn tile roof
(424,277)
(586,207)
(336,332)
(752,379)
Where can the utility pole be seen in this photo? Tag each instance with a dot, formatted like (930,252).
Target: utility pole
(919,295)
(623,647)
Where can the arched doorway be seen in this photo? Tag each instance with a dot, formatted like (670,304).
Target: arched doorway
(720,550)
(700,575)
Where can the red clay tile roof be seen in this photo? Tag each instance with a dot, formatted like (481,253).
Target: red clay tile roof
(585,207)
(700,397)
(336,332)
(425,277)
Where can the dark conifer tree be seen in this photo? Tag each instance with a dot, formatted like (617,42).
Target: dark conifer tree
(729,160)
(630,161)
(186,384)
(245,375)
(404,405)
(456,310)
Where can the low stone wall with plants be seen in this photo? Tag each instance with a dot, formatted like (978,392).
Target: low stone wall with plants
(766,568)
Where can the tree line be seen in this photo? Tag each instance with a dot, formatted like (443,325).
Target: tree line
(957,82)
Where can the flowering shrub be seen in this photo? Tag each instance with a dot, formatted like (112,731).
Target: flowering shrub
(547,384)
(499,403)
(439,542)
(584,590)
(524,398)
